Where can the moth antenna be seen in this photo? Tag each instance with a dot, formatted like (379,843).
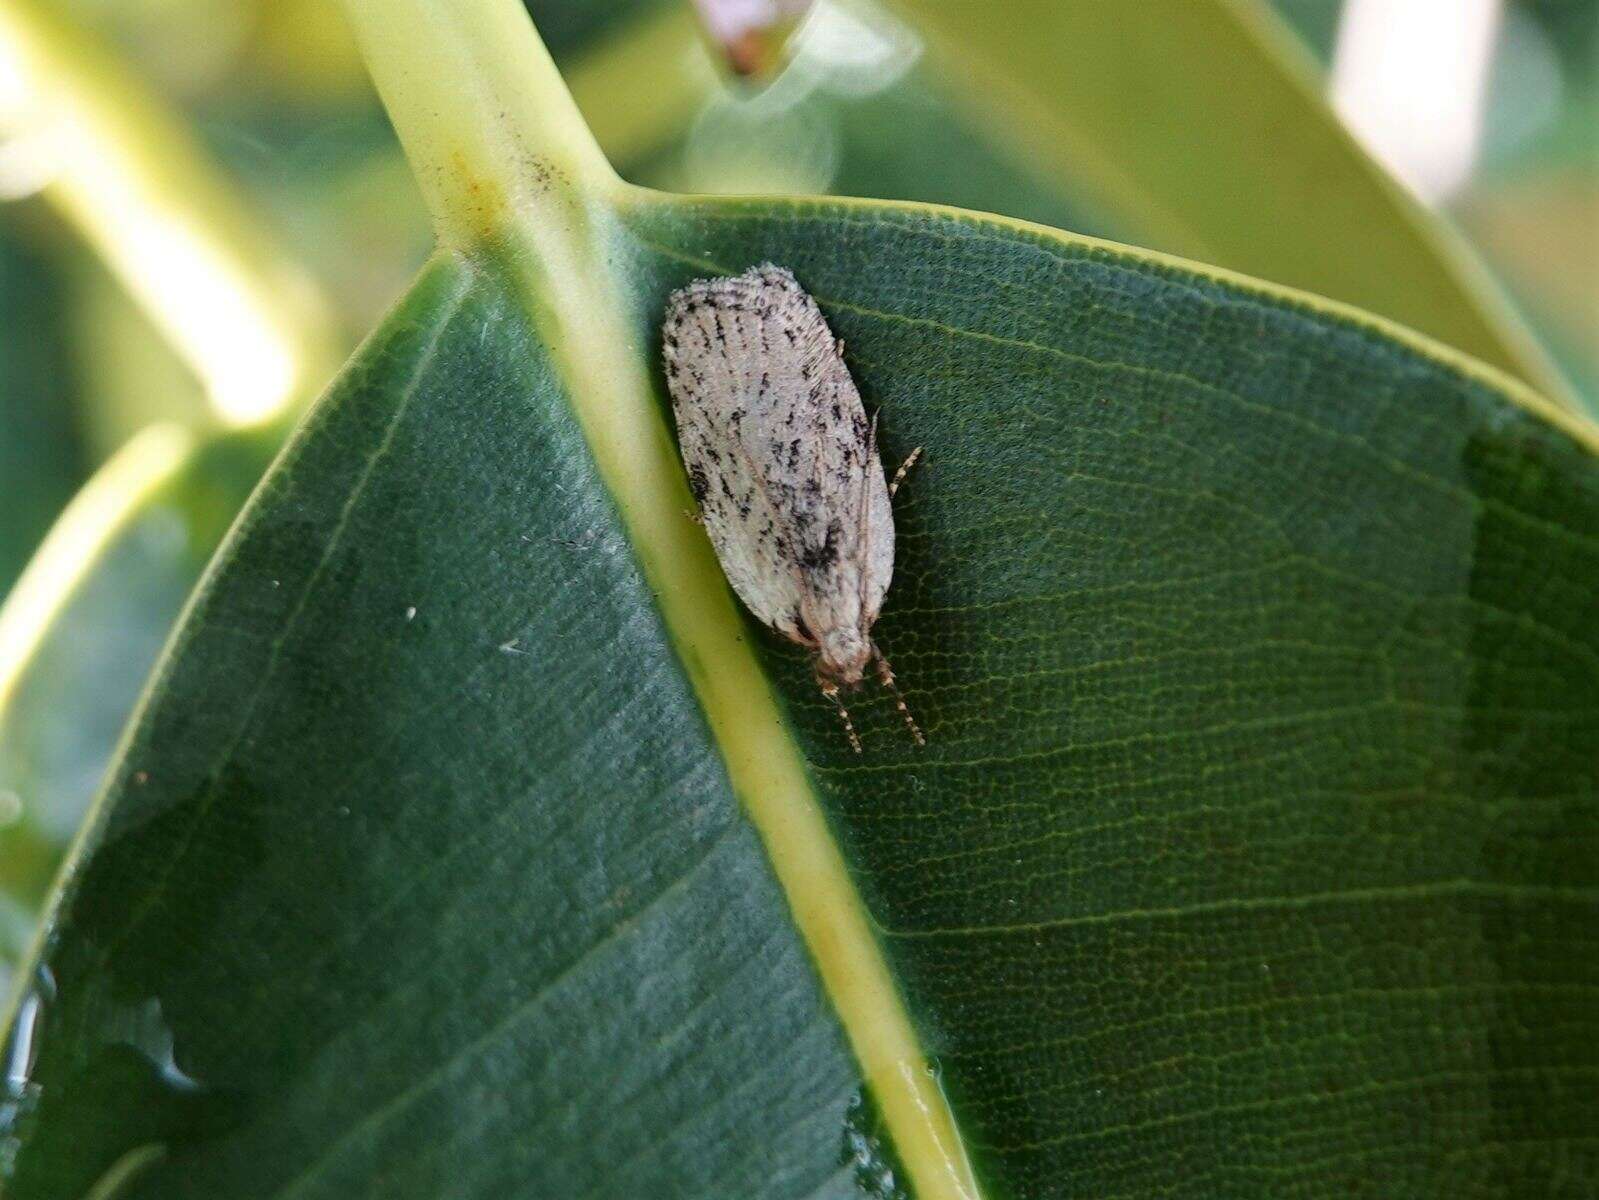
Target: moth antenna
(899,475)
(886,674)
(830,690)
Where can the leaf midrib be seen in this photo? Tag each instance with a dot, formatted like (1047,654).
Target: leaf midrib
(615,406)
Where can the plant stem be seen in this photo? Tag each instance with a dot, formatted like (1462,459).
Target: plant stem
(80,535)
(515,179)
(486,121)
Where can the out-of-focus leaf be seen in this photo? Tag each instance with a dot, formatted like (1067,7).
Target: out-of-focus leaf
(304,52)
(1314,21)
(574,25)
(1198,124)
(79,634)
(854,114)
(130,377)
(1543,235)
(336,183)
(41,455)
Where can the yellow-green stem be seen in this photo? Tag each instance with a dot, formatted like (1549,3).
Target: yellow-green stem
(492,133)
(80,535)
(513,176)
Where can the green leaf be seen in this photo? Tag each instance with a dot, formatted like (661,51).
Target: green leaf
(492,852)
(88,618)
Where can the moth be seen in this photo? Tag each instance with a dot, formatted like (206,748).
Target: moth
(783,463)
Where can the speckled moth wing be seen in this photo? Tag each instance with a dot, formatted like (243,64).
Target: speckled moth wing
(779,453)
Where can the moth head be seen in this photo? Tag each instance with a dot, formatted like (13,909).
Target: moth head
(842,655)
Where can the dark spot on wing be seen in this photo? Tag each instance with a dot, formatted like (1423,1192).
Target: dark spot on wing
(819,557)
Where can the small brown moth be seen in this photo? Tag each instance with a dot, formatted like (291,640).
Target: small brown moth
(784,465)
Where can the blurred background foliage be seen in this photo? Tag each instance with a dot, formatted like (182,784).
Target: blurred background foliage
(278,94)
(1531,203)
(278,97)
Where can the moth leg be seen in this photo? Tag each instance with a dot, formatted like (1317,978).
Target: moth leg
(697,518)
(886,674)
(830,690)
(904,470)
